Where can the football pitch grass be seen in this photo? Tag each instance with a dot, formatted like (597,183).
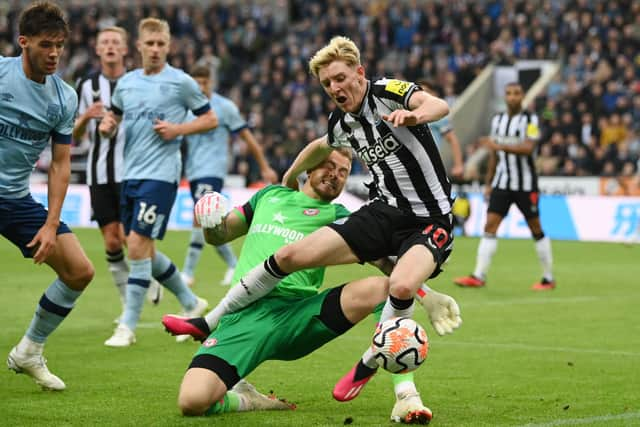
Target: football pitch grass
(567,357)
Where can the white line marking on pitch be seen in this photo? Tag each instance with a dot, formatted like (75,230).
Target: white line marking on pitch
(590,420)
(515,346)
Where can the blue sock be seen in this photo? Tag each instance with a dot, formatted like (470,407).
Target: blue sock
(165,272)
(193,253)
(55,304)
(137,285)
(227,255)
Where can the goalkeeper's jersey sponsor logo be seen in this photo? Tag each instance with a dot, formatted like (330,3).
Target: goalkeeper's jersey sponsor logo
(275,230)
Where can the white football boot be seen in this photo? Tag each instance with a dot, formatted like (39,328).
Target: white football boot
(253,400)
(226,281)
(31,362)
(409,409)
(122,337)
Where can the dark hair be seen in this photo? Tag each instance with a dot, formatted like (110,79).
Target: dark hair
(42,17)
(201,71)
(510,84)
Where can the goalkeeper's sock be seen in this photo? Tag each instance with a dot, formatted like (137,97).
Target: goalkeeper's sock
(165,272)
(395,307)
(403,384)
(257,283)
(486,249)
(119,270)
(193,253)
(226,253)
(543,248)
(137,285)
(230,402)
(54,306)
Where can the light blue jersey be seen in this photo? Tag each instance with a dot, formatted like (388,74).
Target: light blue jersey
(30,114)
(208,153)
(167,95)
(439,129)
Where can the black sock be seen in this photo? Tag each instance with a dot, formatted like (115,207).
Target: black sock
(362,371)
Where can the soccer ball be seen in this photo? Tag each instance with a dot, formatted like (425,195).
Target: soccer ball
(400,345)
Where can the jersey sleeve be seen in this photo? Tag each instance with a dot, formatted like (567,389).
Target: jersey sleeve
(193,97)
(341,211)
(247,210)
(232,117)
(444,125)
(61,134)
(397,91)
(337,136)
(116,100)
(82,103)
(533,131)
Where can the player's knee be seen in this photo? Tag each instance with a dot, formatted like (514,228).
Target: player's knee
(287,259)
(80,274)
(401,289)
(193,404)
(112,242)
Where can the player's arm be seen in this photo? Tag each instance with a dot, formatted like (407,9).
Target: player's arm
(423,108)
(108,126)
(58,180)
(524,148)
(268,174)
(312,155)
(230,228)
(458,165)
(202,123)
(94,111)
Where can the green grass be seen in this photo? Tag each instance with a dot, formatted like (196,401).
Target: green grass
(566,357)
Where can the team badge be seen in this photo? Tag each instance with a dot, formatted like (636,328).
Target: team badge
(210,342)
(311,212)
(53,112)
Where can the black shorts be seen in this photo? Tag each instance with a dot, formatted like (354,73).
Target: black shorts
(526,201)
(105,203)
(377,230)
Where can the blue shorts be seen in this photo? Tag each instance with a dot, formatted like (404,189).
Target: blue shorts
(201,185)
(20,220)
(145,206)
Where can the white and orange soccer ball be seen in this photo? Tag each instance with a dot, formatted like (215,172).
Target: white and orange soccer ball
(400,345)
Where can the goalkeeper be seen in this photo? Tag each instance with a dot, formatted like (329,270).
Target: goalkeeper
(295,318)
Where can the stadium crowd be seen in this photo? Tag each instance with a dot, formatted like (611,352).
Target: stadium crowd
(590,112)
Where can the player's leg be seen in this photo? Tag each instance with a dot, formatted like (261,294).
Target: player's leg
(22,219)
(499,203)
(322,247)
(105,207)
(528,203)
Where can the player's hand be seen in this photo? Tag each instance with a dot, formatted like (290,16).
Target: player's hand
(443,312)
(401,118)
(95,111)
(210,209)
(457,172)
(43,243)
(108,125)
(487,193)
(288,180)
(488,143)
(269,175)
(167,130)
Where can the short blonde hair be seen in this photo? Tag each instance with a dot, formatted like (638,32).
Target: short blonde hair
(154,25)
(115,29)
(340,48)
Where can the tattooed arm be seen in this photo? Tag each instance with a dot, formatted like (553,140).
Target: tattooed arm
(232,226)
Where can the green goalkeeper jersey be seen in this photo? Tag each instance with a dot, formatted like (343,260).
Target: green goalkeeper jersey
(277,216)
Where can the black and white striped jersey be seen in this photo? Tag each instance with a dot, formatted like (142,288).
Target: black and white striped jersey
(104,163)
(407,170)
(515,172)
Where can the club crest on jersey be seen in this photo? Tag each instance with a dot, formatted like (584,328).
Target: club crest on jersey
(6,97)
(311,212)
(53,112)
(210,342)
(378,151)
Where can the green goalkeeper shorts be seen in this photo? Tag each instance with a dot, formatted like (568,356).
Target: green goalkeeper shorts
(278,328)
